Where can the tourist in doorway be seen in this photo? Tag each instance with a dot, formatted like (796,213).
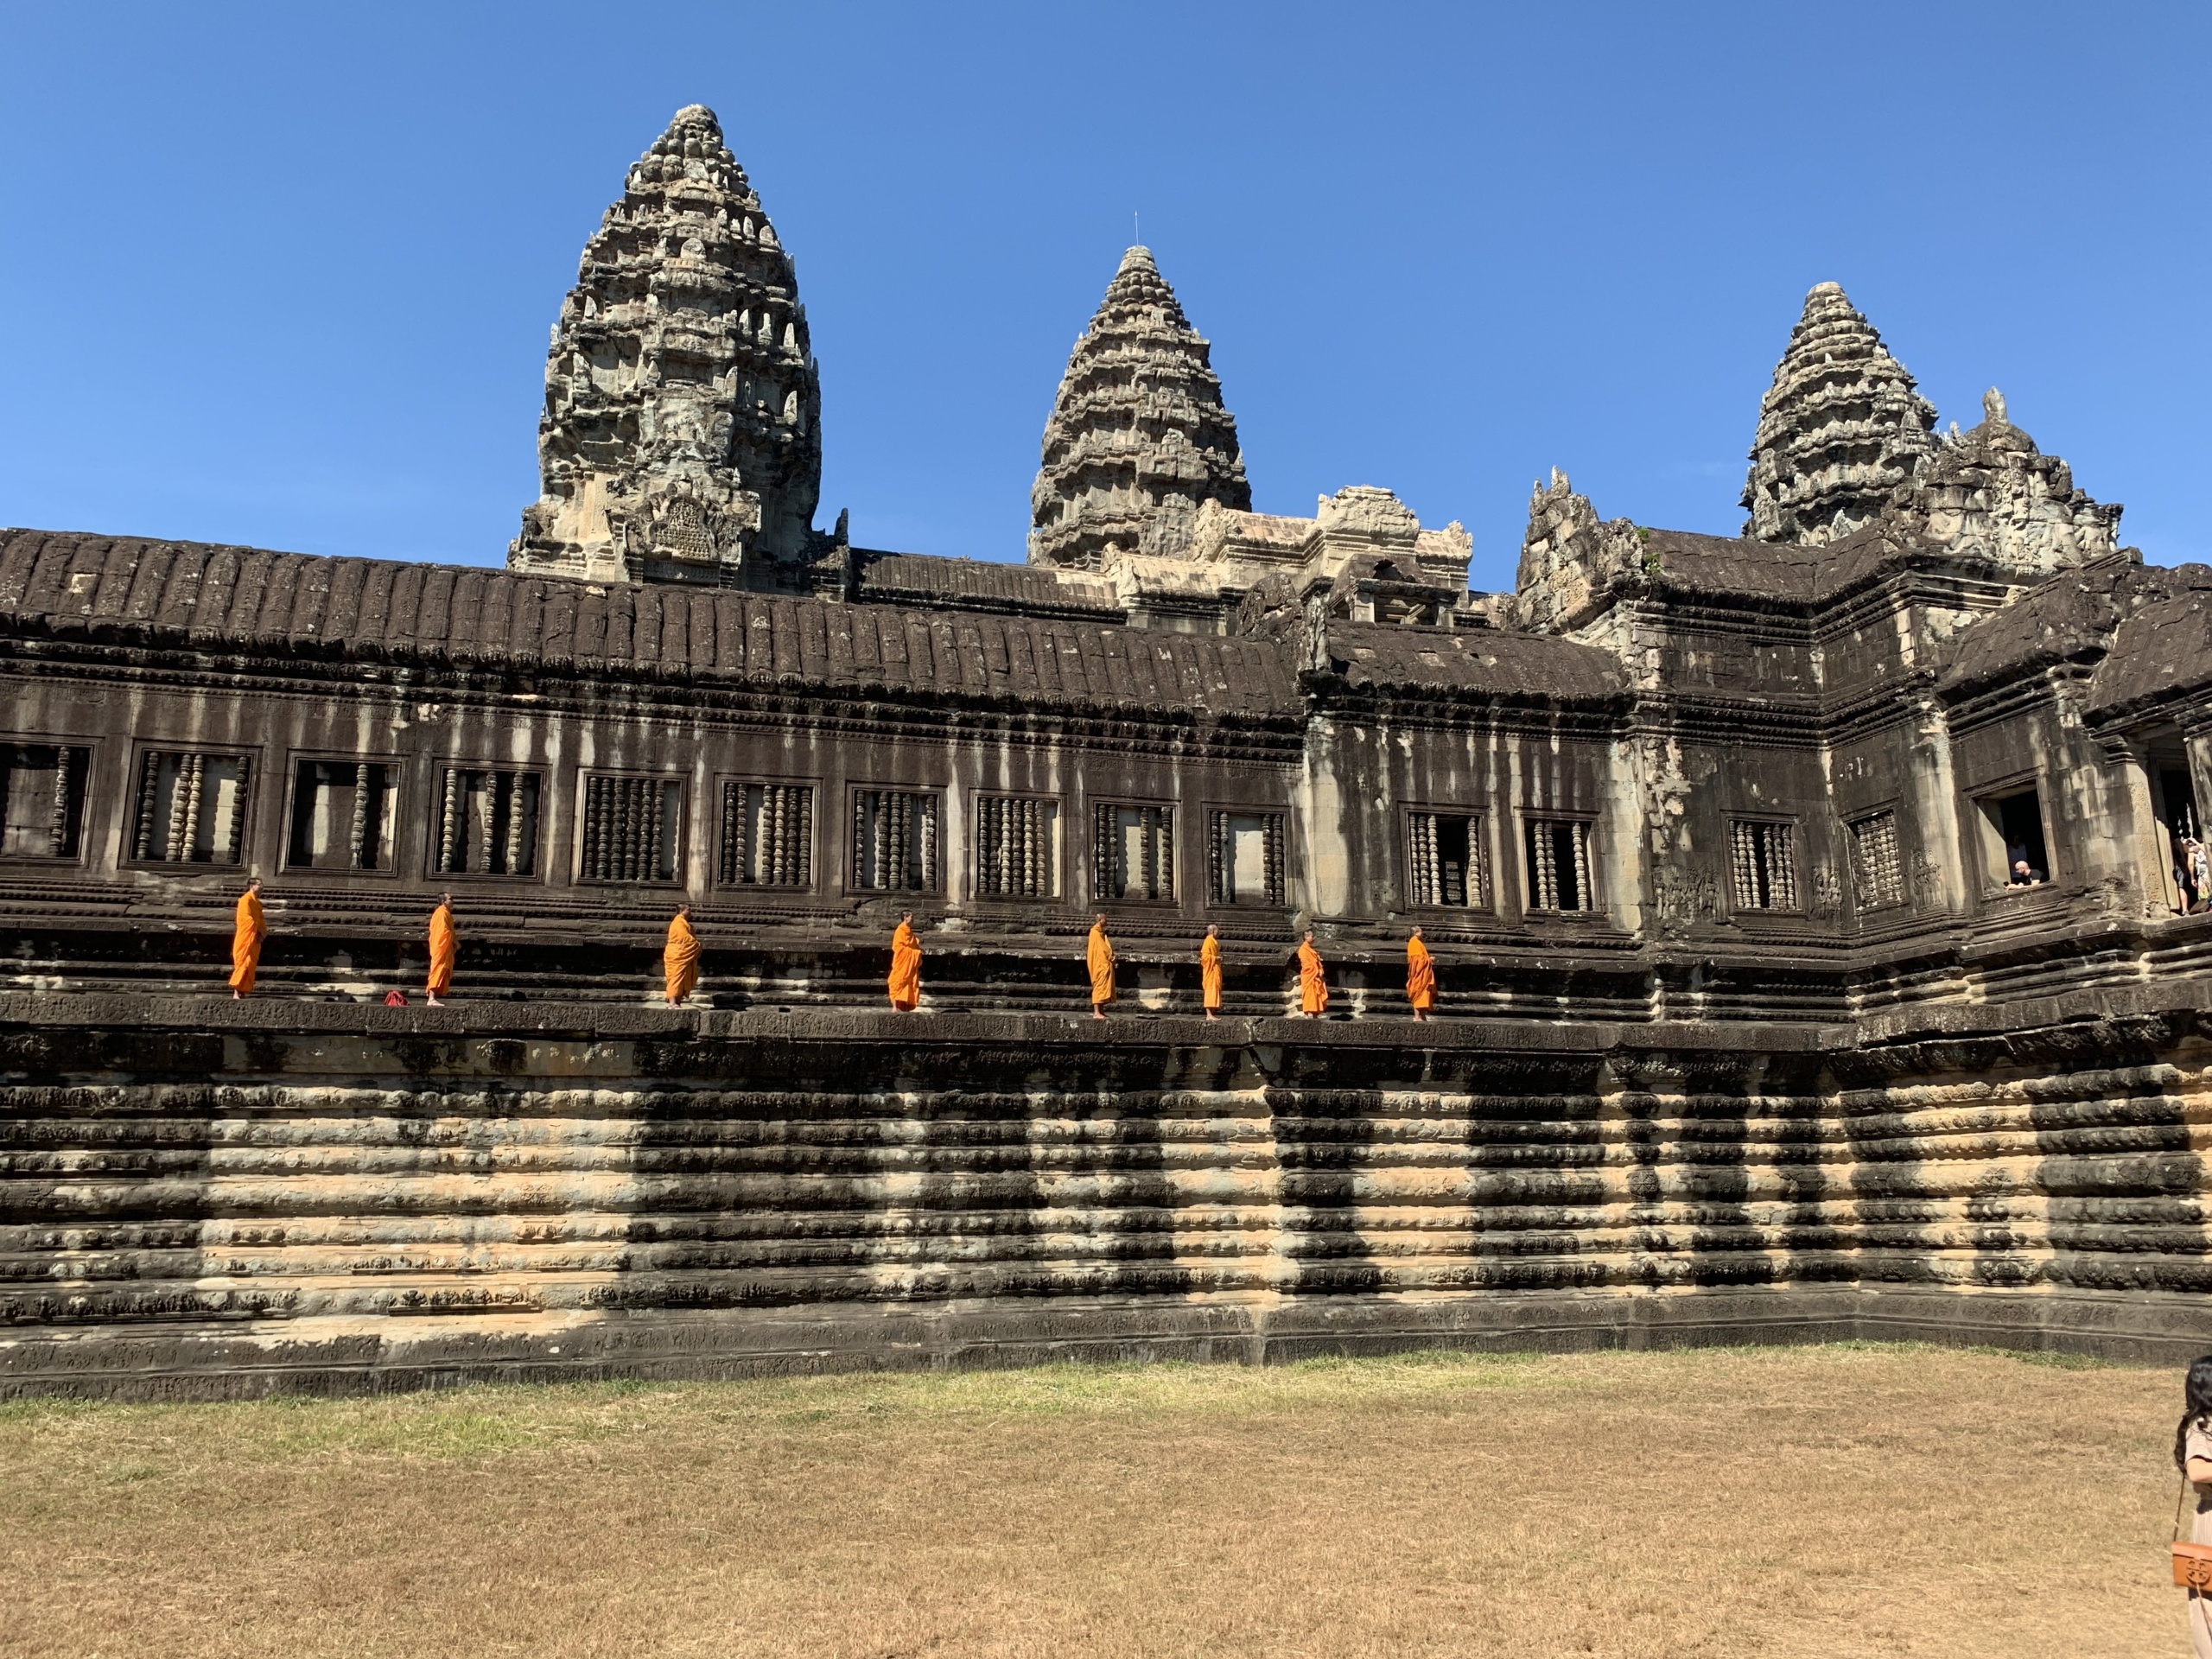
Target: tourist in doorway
(1098,956)
(679,957)
(905,966)
(1421,977)
(2024,874)
(1210,972)
(445,945)
(2196,859)
(249,927)
(2193,1456)
(1313,986)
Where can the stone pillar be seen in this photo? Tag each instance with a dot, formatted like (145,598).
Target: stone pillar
(2134,851)
(1945,870)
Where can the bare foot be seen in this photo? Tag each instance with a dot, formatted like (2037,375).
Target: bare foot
(434,1002)
(1210,1014)
(237,996)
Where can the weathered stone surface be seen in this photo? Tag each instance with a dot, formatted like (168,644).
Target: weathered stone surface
(1138,439)
(557,1184)
(682,439)
(1745,1032)
(1841,427)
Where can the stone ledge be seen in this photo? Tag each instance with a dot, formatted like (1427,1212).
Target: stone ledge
(209,1361)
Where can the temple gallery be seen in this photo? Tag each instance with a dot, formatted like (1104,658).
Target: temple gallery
(1815,917)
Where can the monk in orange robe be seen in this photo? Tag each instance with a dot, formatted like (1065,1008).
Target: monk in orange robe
(444,946)
(1099,955)
(248,929)
(1421,977)
(905,966)
(1312,989)
(680,959)
(1209,973)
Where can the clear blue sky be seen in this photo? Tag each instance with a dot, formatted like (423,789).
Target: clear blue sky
(283,276)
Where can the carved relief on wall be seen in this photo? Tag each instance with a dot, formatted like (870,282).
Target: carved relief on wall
(1680,902)
(1827,892)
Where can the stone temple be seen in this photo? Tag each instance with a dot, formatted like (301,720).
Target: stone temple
(1820,947)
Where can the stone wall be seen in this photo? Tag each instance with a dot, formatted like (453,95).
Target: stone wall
(207,1197)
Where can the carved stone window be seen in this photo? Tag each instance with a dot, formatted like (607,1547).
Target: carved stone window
(487,821)
(43,799)
(1876,872)
(190,808)
(1133,852)
(767,834)
(1559,864)
(1446,862)
(341,816)
(895,837)
(1017,847)
(1763,860)
(633,828)
(1245,857)
(2015,853)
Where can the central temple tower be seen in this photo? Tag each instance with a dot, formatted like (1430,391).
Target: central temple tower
(682,437)
(1840,428)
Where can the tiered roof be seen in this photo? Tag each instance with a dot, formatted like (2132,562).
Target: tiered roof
(1841,427)
(1138,438)
(682,431)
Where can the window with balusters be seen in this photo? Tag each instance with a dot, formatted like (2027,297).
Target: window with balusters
(1558,854)
(1017,847)
(189,808)
(895,841)
(767,834)
(1245,857)
(342,815)
(1876,874)
(1446,862)
(1762,859)
(487,821)
(1133,849)
(43,799)
(632,829)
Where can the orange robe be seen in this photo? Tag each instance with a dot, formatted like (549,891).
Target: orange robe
(1210,972)
(905,969)
(1421,976)
(443,946)
(680,960)
(1099,953)
(1312,989)
(247,931)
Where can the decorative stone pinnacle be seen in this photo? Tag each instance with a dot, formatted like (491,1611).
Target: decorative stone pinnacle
(1992,408)
(1138,439)
(681,439)
(1840,428)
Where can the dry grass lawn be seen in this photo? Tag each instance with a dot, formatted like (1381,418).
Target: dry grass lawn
(1819,1502)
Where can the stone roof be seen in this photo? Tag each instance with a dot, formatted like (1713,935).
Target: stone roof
(1840,427)
(128,591)
(1733,566)
(979,584)
(1486,662)
(2141,628)
(1138,439)
(2162,649)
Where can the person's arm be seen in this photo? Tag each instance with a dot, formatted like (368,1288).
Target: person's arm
(2198,1470)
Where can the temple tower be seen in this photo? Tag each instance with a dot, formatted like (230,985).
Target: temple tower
(1841,425)
(682,435)
(1138,439)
